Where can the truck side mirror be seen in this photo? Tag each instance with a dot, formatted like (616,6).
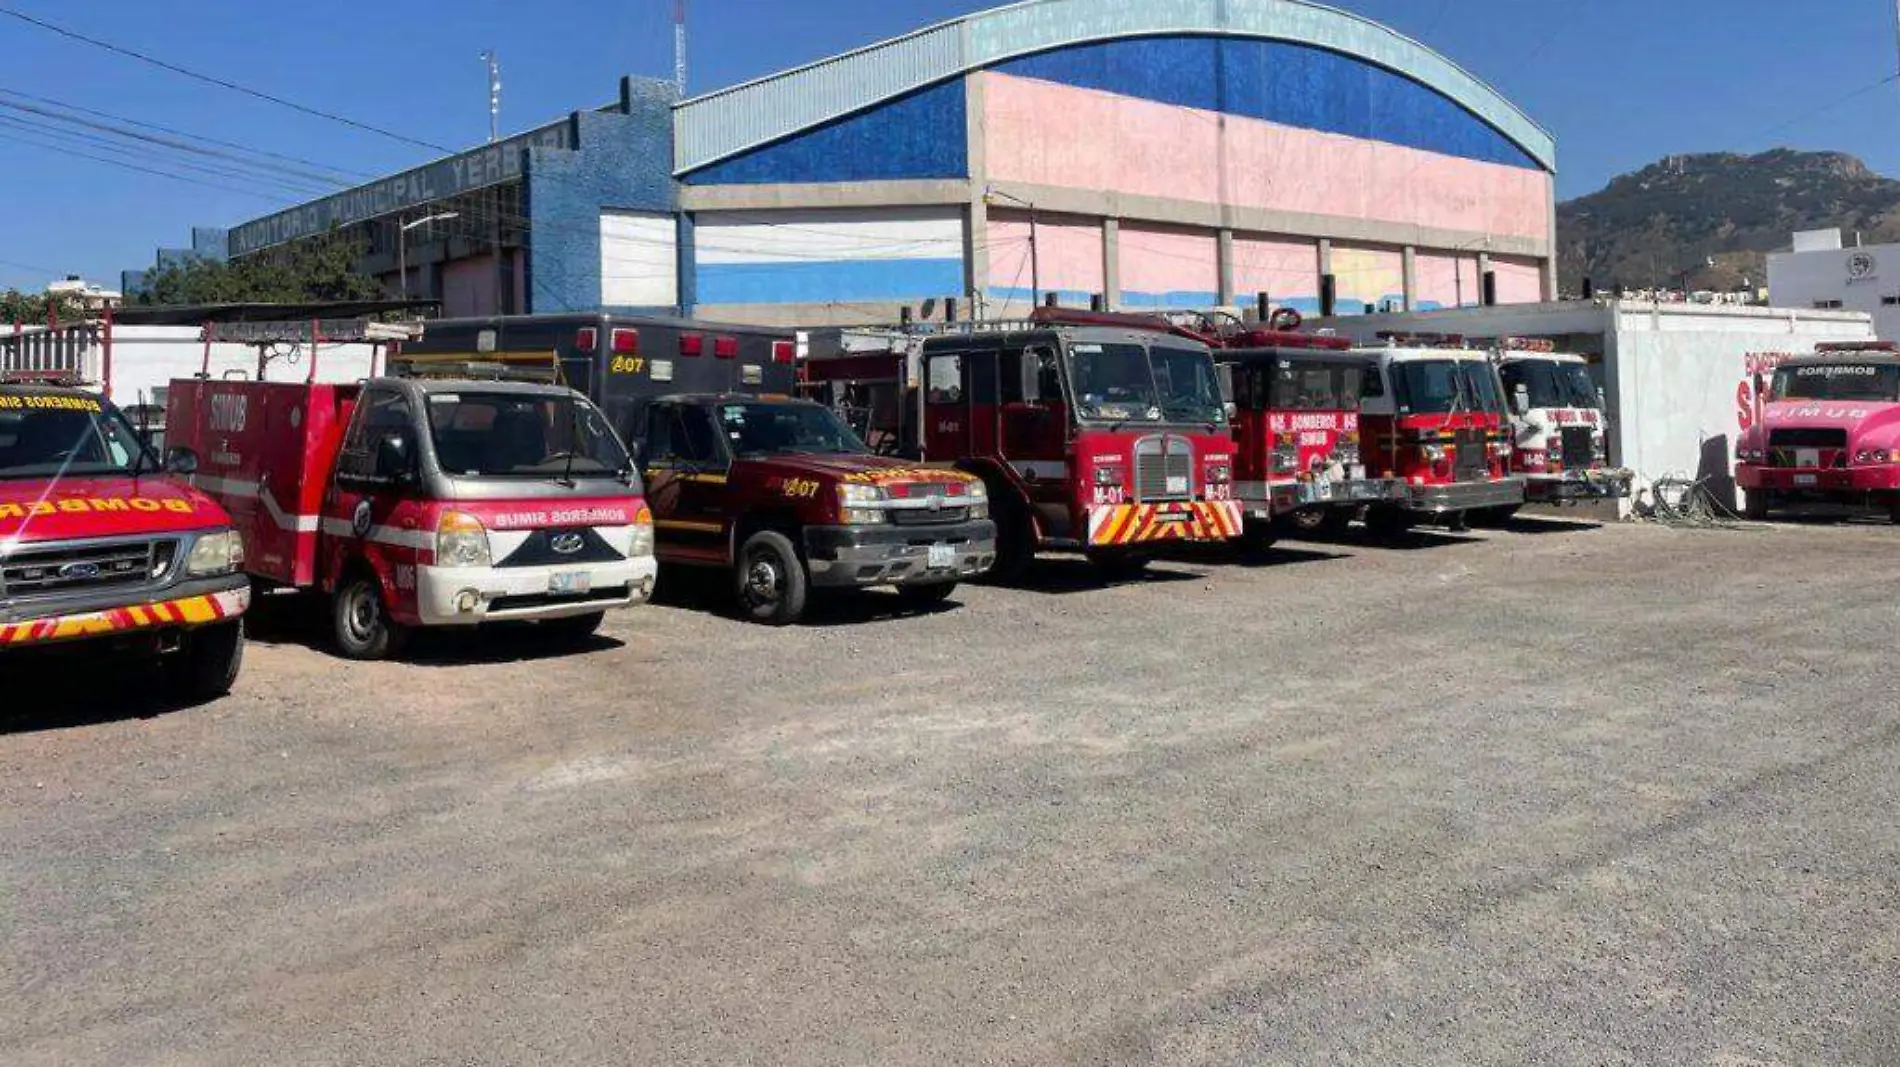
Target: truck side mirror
(1521,398)
(181,461)
(393,460)
(1761,384)
(1603,400)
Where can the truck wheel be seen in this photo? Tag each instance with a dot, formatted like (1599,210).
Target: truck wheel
(1491,517)
(1120,564)
(361,620)
(1308,521)
(1336,522)
(1015,549)
(1258,536)
(1389,522)
(207,667)
(771,579)
(575,628)
(923,596)
(1757,507)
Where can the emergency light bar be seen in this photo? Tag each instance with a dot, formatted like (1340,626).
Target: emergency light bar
(1424,340)
(539,367)
(1858,346)
(1540,345)
(1289,339)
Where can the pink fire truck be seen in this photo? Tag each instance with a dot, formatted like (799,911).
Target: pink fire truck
(1827,435)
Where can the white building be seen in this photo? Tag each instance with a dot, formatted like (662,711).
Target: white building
(88,296)
(1822,273)
(1677,376)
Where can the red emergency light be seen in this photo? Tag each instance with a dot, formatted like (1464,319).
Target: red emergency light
(586,338)
(692,345)
(725,348)
(784,352)
(626,342)
(1289,339)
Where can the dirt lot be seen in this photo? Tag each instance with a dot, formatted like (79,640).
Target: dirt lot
(1557,795)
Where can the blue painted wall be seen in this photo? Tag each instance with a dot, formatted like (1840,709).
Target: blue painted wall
(1275,81)
(827,281)
(922,135)
(621,161)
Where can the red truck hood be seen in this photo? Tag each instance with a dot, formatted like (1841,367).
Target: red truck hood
(876,469)
(36,509)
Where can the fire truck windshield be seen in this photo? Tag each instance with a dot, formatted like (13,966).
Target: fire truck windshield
(1131,383)
(1865,382)
(60,434)
(1440,387)
(1316,385)
(510,435)
(765,429)
(1551,384)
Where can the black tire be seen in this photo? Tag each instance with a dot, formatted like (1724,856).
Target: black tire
(1308,521)
(207,667)
(1257,536)
(924,596)
(1758,505)
(1501,516)
(575,628)
(1390,521)
(1337,522)
(770,581)
(1458,521)
(1893,512)
(360,620)
(1015,537)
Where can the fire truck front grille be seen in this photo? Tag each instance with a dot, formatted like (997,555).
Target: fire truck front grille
(1474,460)
(1164,469)
(1579,447)
(1785,446)
(67,569)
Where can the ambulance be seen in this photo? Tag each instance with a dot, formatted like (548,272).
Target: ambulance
(106,550)
(425,502)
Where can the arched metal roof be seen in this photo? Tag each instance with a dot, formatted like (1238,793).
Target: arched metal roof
(720,125)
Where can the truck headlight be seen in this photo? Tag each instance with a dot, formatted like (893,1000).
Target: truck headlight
(215,554)
(862,505)
(461,541)
(979,500)
(643,533)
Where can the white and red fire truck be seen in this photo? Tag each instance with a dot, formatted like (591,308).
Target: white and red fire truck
(1560,426)
(1433,416)
(424,502)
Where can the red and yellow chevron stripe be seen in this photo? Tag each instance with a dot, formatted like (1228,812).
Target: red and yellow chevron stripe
(1134,524)
(190,611)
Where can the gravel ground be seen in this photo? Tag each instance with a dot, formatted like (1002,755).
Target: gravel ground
(1553,795)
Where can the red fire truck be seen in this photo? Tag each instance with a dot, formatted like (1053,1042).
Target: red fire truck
(1560,426)
(425,502)
(1093,434)
(1297,422)
(103,548)
(1827,435)
(1434,418)
(742,477)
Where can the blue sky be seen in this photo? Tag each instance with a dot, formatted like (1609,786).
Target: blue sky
(1620,82)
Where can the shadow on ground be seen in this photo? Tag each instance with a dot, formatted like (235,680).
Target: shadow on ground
(73,688)
(294,618)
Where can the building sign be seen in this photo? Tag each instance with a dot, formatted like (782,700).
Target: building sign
(1862,267)
(490,165)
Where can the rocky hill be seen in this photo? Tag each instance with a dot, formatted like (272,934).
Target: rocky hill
(1675,215)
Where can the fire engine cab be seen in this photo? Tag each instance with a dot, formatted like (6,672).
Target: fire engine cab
(1560,428)
(425,502)
(1094,433)
(1297,422)
(103,548)
(1433,416)
(1827,433)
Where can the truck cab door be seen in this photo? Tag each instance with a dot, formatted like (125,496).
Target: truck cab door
(685,466)
(370,508)
(946,430)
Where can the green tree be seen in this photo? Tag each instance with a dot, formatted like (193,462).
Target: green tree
(305,272)
(30,309)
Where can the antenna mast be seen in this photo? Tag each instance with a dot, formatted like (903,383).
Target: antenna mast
(679,46)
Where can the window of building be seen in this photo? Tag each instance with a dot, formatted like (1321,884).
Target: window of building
(1827,305)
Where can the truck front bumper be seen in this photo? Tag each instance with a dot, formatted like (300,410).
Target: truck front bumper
(1463,496)
(186,605)
(470,596)
(855,556)
(1851,482)
(1577,486)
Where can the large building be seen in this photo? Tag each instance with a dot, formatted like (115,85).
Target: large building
(1158,153)
(1822,272)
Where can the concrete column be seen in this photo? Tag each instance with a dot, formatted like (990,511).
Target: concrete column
(1484,267)
(1112,263)
(1325,256)
(1226,255)
(1411,278)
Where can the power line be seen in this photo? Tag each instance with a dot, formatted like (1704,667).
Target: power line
(219,82)
(67,150)
(1831,105)
(68,137)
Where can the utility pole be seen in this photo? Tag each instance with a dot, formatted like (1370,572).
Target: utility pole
(494,198)
(679,46)
(1035,260)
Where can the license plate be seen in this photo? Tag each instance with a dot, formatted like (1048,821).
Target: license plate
(1807,457)
(1323,488)
(1807,479)
(571,584)
(1177,483)
(942,557)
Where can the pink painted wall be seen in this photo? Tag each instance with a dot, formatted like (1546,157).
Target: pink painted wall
(1069,253)
(1286,269)
(1444,281)
(1048,134)
(1367,276)
(1520,281)
(1168,267)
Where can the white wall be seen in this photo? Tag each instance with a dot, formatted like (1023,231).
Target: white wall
(639,260)
(1862,279)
